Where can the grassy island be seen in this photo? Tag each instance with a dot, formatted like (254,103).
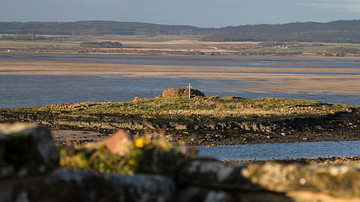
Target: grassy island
(203,120)
(234,107)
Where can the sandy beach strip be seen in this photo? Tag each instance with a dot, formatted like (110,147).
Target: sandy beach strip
(256,79)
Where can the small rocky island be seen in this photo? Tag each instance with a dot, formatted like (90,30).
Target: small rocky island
(200,120)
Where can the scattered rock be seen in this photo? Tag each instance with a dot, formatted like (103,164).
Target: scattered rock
(218,196)
(255,127)
(213,98)
(119,143)
(179,126)
(232,98)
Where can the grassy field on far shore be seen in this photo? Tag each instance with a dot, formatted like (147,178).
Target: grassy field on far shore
(168,45)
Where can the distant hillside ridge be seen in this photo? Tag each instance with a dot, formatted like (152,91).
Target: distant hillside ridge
(95,28)
(344,31)
(337,31)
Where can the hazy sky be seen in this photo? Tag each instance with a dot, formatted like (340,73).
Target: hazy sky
(202,13)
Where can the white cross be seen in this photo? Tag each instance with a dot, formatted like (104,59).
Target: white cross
(189,86)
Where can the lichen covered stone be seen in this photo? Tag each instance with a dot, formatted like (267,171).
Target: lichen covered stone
(215,174)
(339,181)
(26,148)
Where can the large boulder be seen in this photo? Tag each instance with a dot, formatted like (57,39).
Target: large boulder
(216,175)
(88,186)
(181,93)
(26,149)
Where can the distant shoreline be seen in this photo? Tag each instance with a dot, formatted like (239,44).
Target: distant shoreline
(158,52)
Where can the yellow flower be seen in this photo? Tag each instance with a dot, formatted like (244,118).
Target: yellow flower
(141,143)
(132,162)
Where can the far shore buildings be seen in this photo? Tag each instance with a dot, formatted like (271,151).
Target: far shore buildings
(286,46)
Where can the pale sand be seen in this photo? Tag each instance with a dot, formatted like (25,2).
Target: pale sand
(71,135)
(259,80)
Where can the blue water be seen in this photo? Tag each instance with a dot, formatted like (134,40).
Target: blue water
(29,90)
(281,150)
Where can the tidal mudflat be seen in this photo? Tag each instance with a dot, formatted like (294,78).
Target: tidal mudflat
(254,79)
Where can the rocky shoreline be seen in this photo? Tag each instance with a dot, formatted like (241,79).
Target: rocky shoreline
(202,130)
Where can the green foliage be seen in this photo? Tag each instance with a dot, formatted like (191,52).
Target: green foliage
(341,51)
(99,159)
(155,156)
(102,44)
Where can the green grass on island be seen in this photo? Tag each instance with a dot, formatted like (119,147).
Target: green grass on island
(227,107)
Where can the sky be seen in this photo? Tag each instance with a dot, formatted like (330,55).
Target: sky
(201,13)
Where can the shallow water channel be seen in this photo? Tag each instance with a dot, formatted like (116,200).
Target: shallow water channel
(281,150)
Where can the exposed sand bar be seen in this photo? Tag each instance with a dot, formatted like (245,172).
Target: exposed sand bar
(256,79)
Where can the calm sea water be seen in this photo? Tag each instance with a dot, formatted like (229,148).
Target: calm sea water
(29,90)
(281,150)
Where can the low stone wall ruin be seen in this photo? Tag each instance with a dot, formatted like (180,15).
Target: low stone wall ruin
(29,172)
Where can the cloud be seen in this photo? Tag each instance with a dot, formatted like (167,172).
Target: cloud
(344,5)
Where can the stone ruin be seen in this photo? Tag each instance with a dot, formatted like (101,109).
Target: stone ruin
(181,93)
(30,172)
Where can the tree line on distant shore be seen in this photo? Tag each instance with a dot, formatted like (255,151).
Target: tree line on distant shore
(101,44)
(337,31)
(27,37)
(341,51)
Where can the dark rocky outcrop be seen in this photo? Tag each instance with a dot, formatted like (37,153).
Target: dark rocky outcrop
(340,126)
(194,180)
(200,130)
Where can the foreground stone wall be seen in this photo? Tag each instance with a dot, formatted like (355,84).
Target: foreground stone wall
(93,187)
(26,149)
(29,172)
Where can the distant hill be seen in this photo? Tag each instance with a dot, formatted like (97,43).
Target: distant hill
(95,28)
(336,31)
